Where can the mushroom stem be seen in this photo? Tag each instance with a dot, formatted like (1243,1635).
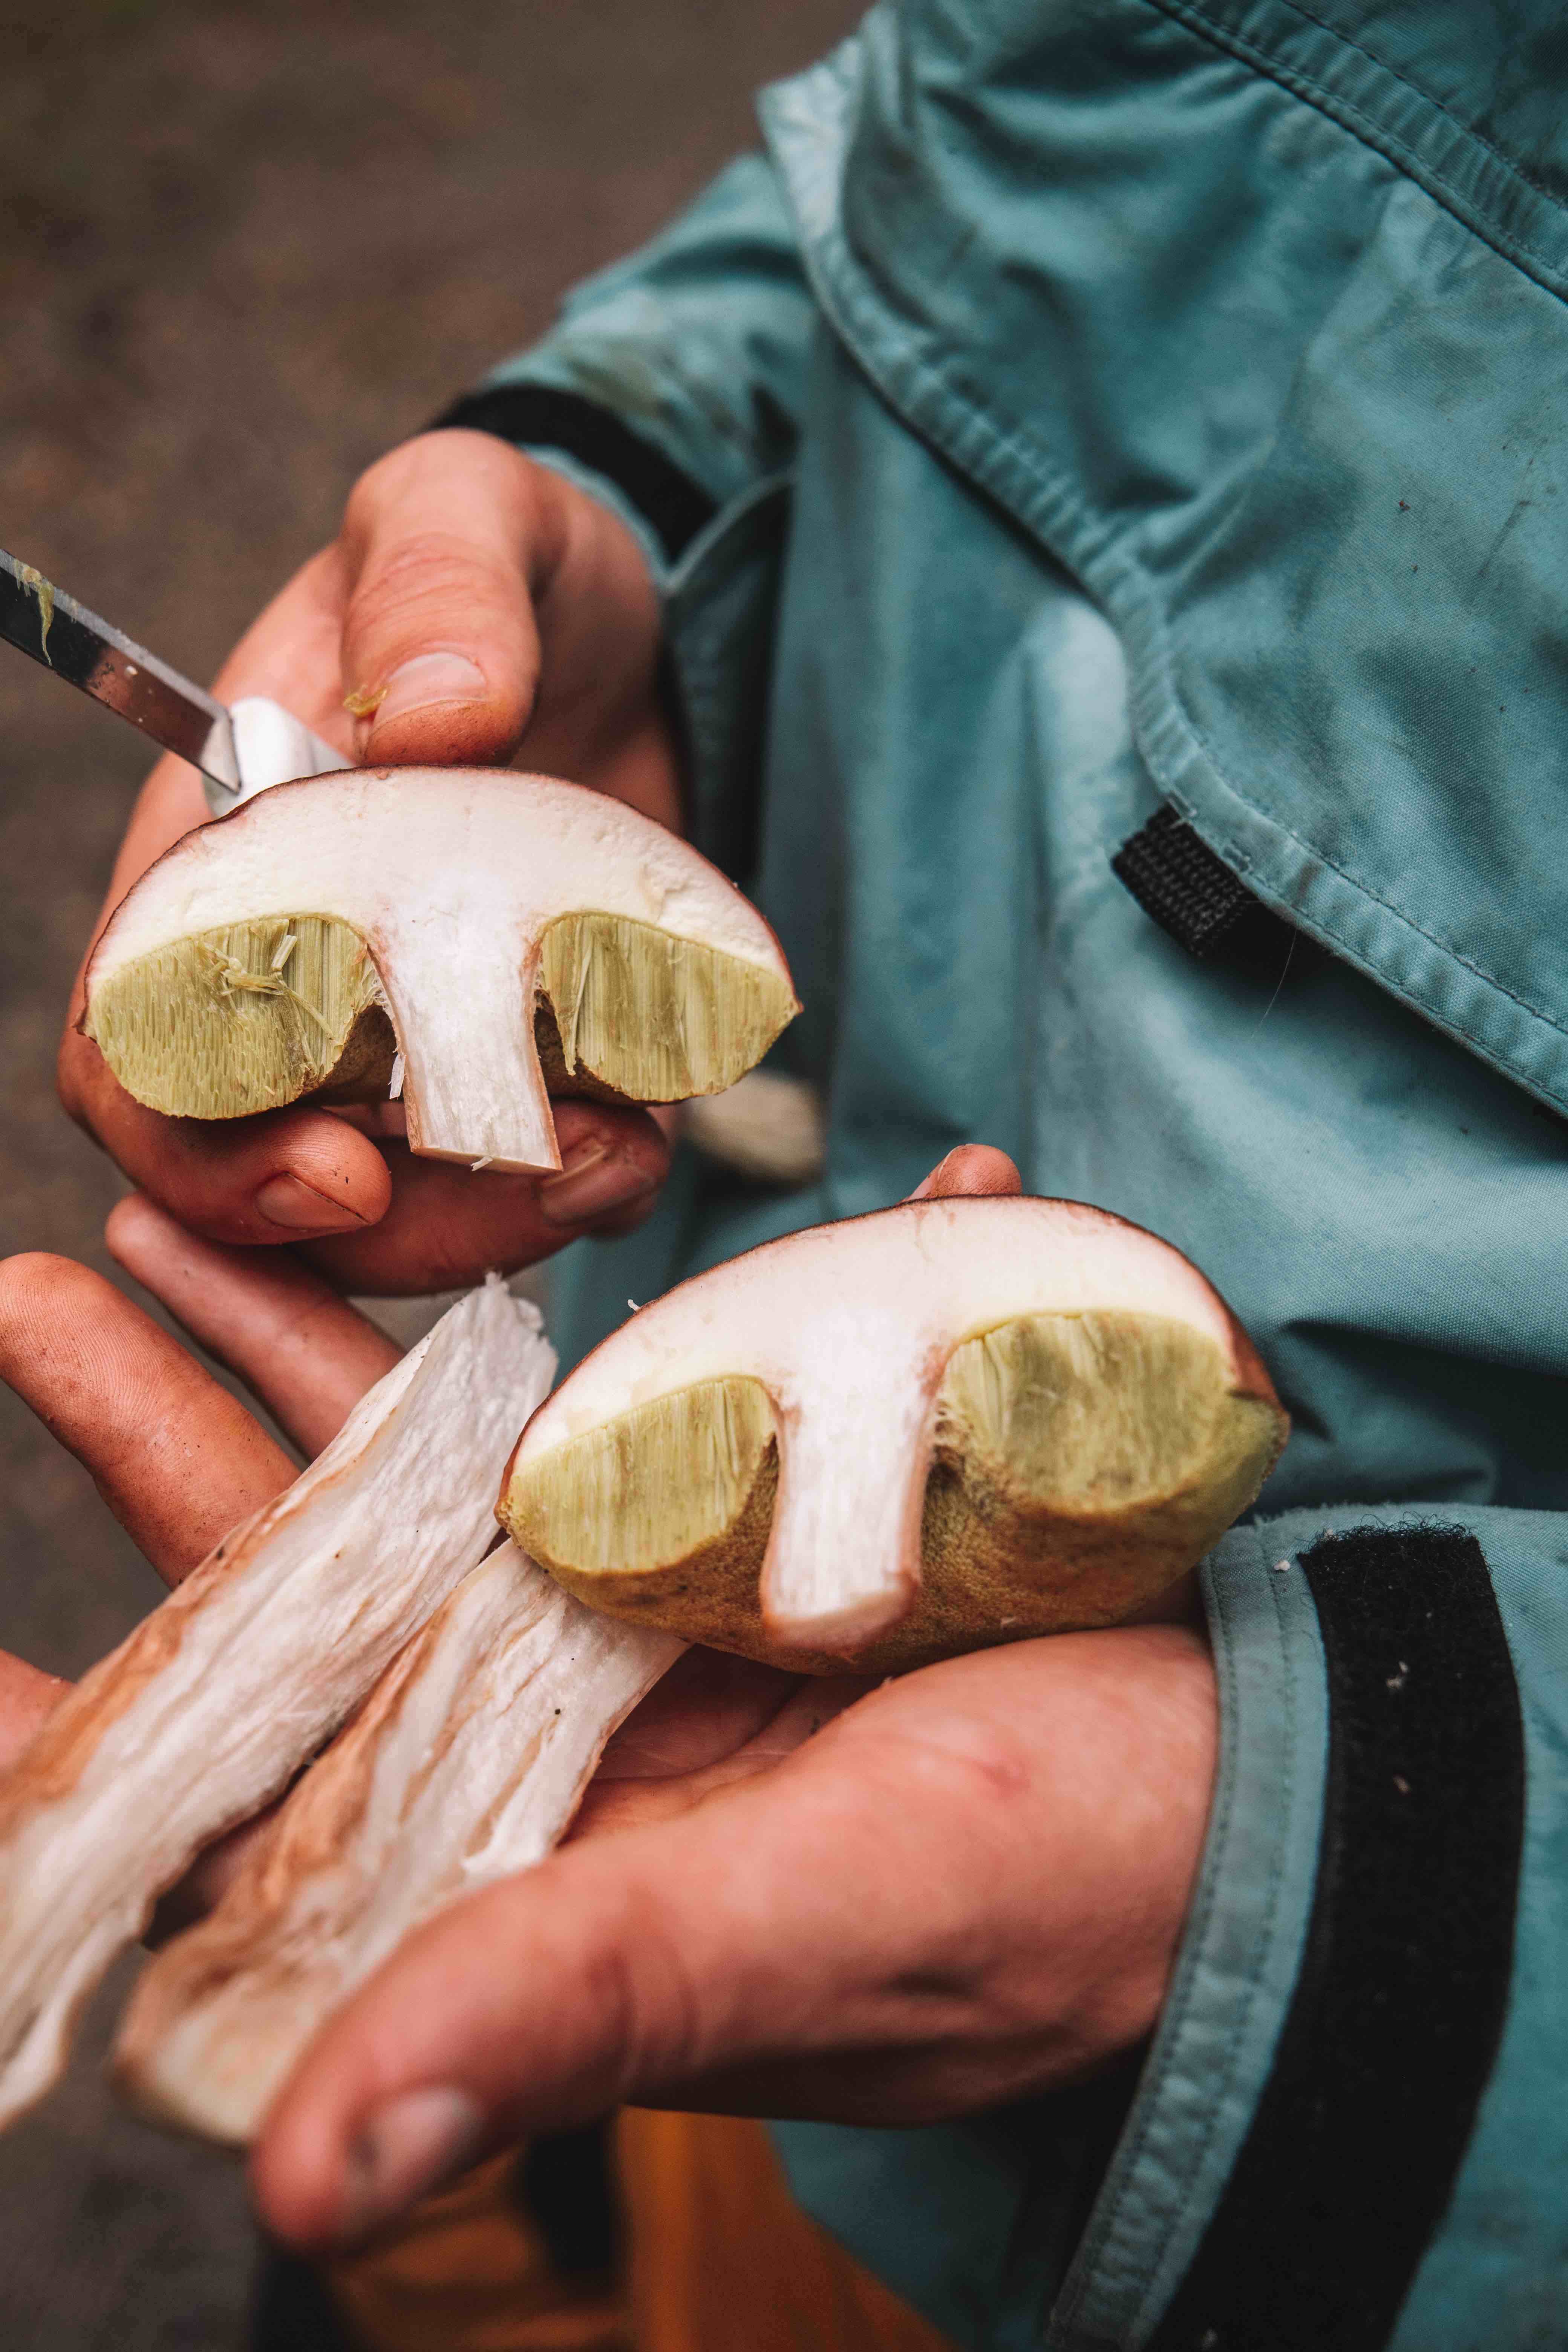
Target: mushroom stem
(210,1707)
(466,1764)
(473,1090)
(843,1561)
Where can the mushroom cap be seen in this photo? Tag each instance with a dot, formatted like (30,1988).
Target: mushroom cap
(954,1421)
(249,964)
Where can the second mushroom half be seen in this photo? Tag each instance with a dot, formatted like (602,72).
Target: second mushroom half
(949,1423)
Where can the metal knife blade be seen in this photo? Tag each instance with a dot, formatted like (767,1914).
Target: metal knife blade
(240,753)
(87,651)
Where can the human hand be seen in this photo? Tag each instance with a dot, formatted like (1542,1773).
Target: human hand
(790,1896)
(967,1887)
(476,607)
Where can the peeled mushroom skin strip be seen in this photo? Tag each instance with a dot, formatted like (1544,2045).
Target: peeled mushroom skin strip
(466,1764)
(209,1708)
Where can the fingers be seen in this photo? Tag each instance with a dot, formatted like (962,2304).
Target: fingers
(440,653)
(297,1344)
(970,1168)
(936,1904)
(447,1227)
(178,1461)
(176,1458)
(379,1219)
(282,1176)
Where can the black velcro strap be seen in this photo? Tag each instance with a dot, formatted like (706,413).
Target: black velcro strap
(1192,895)
(673,506)
(1352,2153)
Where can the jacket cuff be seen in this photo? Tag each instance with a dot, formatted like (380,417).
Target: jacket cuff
(591,446)
(1232,1983)
(1338,2002)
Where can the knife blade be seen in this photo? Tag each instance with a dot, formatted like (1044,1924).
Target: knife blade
(240,752)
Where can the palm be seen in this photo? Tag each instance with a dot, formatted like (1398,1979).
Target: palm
(972,1877)
(713,1722)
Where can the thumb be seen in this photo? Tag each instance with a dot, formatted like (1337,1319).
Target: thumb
(970,1168)
(620,1967)
(440,654)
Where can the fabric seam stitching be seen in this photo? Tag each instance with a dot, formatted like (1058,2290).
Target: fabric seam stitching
(1512,247)
(1096,2239)
(1123,580)
(1509,163)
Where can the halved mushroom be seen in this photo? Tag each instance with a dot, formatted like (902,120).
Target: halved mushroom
(492,931)
(467,1763)
(949,1423)
(211,1706)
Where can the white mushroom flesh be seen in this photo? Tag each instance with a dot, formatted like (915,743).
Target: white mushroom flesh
(466,1764)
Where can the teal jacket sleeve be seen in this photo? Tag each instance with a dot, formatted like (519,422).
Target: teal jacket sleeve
(1349,2131)
(1351,2128)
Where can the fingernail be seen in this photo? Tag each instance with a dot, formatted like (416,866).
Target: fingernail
(591,1183)
(929,1187)
(289,1201)
(404,2147)
(428,680)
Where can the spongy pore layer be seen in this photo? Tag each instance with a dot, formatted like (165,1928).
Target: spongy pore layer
(648,1017)
(251,1017)
(247,1017)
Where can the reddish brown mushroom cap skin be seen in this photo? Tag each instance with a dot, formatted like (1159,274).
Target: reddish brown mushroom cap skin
(949,1423)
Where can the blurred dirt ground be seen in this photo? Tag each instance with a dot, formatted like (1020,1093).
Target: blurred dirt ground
(245,248)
